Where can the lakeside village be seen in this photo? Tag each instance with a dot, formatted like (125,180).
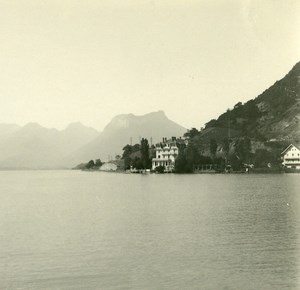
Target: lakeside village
(181,155)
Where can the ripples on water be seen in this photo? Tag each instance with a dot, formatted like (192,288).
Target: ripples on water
(90,230)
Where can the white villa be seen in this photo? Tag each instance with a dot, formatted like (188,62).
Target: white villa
(291,157)
(166,154)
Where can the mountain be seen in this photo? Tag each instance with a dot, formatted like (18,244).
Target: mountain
(122,130)
(273,115)
(78,134)
(34,146)
(6,130)
(251,135)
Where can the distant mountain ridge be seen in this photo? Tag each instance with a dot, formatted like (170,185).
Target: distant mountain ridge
(35,147)
(6,130)
(124,129)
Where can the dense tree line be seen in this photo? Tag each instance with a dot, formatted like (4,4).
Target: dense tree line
(236,153)
(93,164)
(137,156)
(192,155)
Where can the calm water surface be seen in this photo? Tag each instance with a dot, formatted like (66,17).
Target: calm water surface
(90,230)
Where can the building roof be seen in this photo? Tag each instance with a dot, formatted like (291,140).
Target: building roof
(287,148)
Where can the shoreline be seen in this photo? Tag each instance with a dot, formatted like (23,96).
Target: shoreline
(251,172)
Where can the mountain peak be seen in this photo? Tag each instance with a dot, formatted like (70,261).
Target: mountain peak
(125,120)
(80,129)
(130,115)
(78,126)
(32,125)
(75,125)
(129,129)
(159,112)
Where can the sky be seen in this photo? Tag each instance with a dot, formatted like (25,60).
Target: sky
(65,61)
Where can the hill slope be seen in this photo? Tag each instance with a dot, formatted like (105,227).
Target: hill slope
(274,114)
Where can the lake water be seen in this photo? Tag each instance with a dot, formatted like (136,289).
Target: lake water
(91,230)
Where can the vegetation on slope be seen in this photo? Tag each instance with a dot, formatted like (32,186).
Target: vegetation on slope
(273,114)
(253,133)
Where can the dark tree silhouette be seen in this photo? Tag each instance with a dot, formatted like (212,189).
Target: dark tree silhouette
(213,147)
(90,164)
(145,153)
(191,133)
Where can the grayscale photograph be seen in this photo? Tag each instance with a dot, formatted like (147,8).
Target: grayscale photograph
(150,145)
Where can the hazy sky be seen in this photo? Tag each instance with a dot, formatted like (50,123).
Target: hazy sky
(65,60)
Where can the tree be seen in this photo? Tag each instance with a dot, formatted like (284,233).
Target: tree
(137,155)
(145,153)
(235,162)
(159,169)
(247,146)
(263,157)
(127,150)
(90,164)
(213,147)
(220,162)
(251,110)
(137,163)
(211,123)
(243,149)
(180,164)
(191,133)
(226,145)
(238,105)
(136,147)
(186,159)
(98,163)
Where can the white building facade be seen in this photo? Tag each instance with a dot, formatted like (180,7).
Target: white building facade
(291,157)
(165,155)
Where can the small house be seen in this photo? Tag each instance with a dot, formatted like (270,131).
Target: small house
(291,157)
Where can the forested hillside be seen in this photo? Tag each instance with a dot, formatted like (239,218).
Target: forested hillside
(252,133)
